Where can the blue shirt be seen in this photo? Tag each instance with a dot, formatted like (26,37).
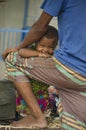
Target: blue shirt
(72,32)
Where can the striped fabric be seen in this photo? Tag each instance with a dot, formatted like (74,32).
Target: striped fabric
(71,85)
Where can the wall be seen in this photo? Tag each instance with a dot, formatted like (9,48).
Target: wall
(12,16)
(12,13)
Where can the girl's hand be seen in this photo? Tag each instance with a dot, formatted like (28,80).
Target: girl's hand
(44,55)
(7,51)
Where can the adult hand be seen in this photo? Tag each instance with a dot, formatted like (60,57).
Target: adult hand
(7,51)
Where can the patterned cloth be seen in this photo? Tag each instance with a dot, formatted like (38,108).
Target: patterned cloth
(46,97)
(40,94)
(71,86)
(53,101)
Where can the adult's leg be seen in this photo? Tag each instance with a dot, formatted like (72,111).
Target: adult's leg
(67,84)
(37,118)
(24,88)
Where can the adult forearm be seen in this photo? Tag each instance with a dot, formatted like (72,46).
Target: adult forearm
(37,30)
(33,35)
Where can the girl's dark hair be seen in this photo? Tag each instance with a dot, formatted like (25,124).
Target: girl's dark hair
(51,33)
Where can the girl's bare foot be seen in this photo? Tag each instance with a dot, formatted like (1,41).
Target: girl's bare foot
(30,121)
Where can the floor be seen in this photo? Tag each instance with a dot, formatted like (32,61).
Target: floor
(54,125)
(8,128)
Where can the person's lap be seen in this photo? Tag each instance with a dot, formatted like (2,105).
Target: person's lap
(46,70)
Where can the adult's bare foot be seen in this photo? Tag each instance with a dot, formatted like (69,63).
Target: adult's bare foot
(30,121)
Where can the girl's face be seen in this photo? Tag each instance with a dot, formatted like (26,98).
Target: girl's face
(46,45)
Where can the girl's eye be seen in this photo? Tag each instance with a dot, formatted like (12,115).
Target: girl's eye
(51,48)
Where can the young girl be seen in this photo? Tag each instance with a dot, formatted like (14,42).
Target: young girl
(45,45)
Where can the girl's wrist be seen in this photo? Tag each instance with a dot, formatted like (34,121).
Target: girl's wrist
(38,53)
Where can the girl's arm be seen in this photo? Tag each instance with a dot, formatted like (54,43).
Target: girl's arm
(28,53)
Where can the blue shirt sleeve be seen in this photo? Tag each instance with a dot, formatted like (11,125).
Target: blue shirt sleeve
(52,7)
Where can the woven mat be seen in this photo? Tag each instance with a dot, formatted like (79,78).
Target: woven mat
(52,124)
